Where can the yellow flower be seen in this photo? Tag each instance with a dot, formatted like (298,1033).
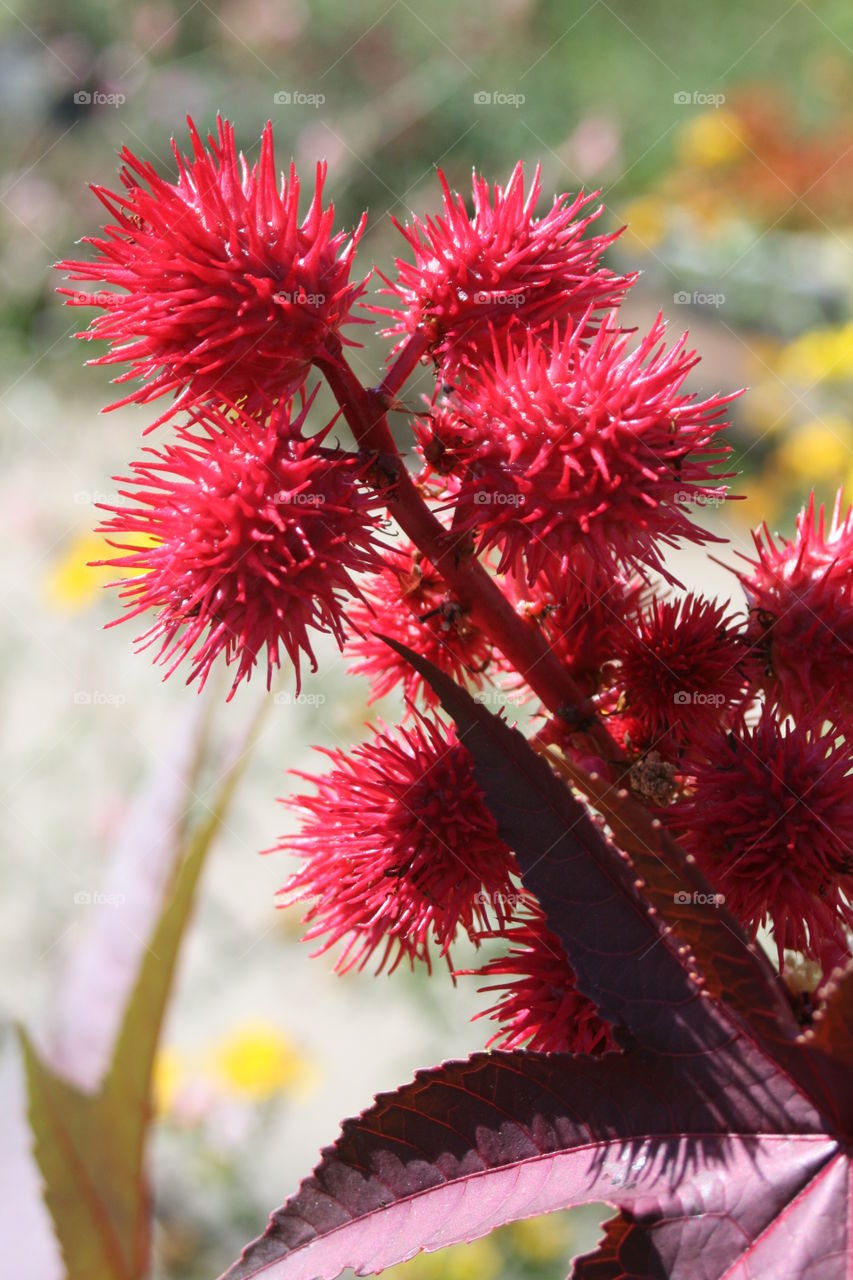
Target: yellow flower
(647,222)
(710,139)
(819,355)
(71,583)
(818,450)
(257,1061)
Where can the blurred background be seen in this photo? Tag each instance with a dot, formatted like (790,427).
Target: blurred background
(721,134)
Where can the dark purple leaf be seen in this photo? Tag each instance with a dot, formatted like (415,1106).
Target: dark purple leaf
(472,1145)
(720,1134)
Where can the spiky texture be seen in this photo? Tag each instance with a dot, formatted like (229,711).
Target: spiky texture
(399,848)
(473,276)
(800,595)
(581,615)
(410,602)
(225,293)
(539,1005)
(242,537)
(589,451)
(684,671)
(770,821)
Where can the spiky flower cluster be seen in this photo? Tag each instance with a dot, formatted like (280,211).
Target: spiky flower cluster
(585,450)
(562,461)
(225,292)
(399,848)
(800,595)
(682,675)
(474,277)
(770,819)
(241,538)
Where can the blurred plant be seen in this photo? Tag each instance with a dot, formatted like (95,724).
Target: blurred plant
(667,1062)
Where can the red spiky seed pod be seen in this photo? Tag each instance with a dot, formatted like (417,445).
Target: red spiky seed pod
(586,450)
(242,538)
(539,1005)
(684,672)
(225,294)
(770,821)
(800,596)
(399,848)
(409,601)
(476,276)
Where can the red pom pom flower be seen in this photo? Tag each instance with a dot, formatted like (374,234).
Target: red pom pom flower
(684,672)
(242,538)
(410,602)
(539,1006)
(585,450)
(770,821)
(399,848)
(226,295)
(800,594)
(475,276)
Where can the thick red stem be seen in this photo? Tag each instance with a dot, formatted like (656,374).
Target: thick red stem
(520,641)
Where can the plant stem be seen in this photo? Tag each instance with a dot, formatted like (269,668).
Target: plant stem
(519,640)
